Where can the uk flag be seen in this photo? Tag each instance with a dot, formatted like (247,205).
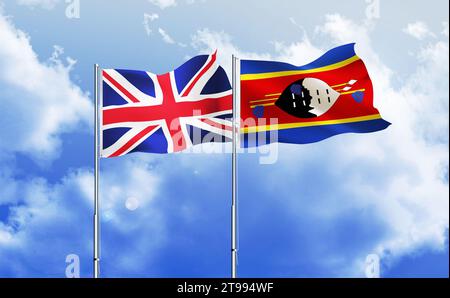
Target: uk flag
(144,112)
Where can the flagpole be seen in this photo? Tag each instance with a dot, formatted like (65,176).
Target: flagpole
(96,177)
(234,179)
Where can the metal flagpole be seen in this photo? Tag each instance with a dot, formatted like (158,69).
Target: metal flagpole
(234,179)
(96,178)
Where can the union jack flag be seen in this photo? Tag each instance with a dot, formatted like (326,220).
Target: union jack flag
(144,112)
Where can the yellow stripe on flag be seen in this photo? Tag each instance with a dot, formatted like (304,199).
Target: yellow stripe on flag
(263,100)
(267,75)
(262,128)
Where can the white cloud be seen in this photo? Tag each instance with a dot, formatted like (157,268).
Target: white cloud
(165,36)
(418,30)
(208,41)
(163,33)
(294,22)
(5,234)
(47,4)
(39,101)
(163,3)
(148,18)
(298,53)
(396,174)
(61,214)
(412,200)
(445,29)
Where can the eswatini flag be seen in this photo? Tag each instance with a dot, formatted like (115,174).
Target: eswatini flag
(330,96)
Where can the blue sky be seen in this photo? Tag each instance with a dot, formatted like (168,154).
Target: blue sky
(318,211)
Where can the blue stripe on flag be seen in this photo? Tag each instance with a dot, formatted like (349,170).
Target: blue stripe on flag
(112,135)
(218,83)
(197,136)
(333,56)
(111,97)
(311,134)
(156,143)
(225,116)
(186,72)
(139,79)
